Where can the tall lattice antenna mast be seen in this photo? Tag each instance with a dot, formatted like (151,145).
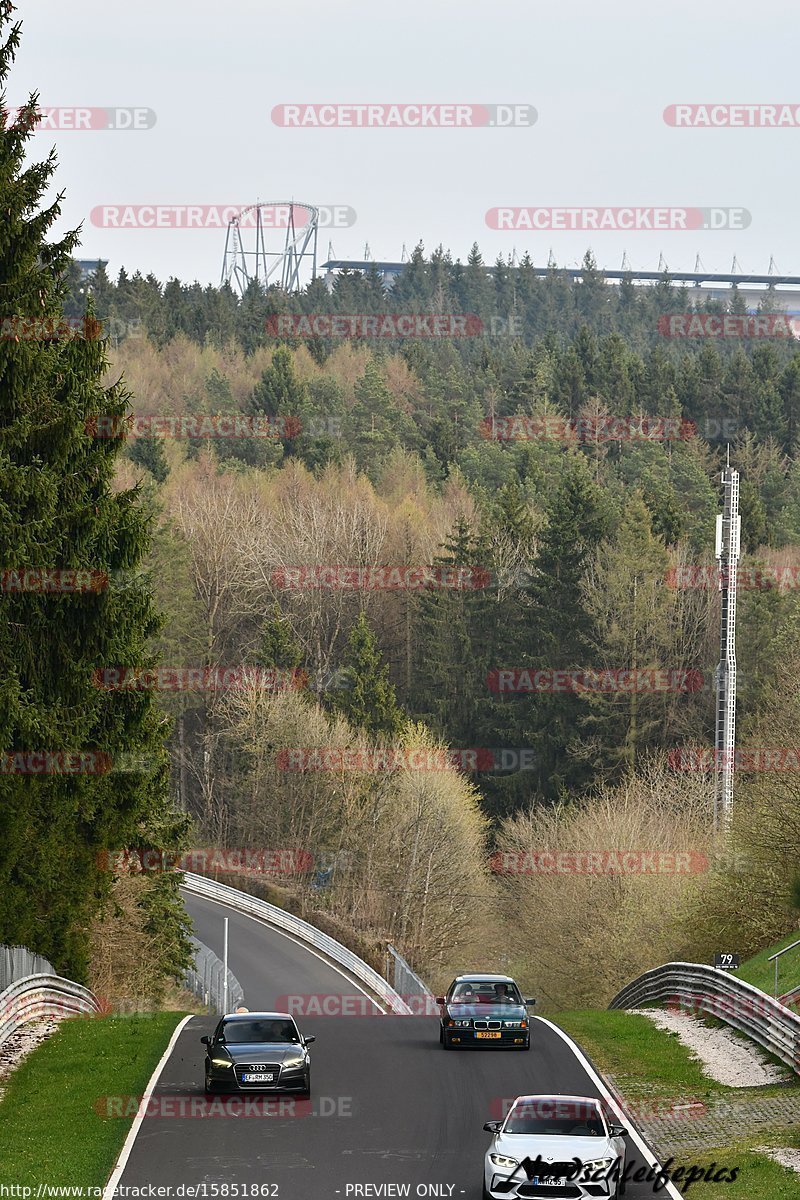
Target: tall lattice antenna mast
(729,525)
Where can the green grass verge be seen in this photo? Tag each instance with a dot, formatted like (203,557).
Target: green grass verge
(759,1178)
(649,1064)
(761,973)
(49,1129)
(644,1061)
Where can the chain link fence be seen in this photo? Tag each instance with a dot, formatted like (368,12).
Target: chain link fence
(17,962)
(206,980)
(416,993)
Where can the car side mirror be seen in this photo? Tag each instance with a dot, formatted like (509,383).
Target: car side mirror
(618,1131)
(206,1040)
(308,1040)
(440,999)
(493,1126)
(530,1000)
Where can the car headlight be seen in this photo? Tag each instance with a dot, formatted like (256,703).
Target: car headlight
(463,1024)
(597,1164)
(502,1160)
(294,1062)
(221,1062)
(516,1024)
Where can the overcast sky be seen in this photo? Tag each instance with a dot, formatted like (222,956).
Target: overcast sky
(598,75)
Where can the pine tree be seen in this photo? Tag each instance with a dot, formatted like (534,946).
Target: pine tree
(560,627)
(454,643)
(279,646)
(368,701)
(632,624)
(60,510)
(149,453)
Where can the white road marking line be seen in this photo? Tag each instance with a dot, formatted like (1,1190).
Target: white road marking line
(600,1083)
(125,1152)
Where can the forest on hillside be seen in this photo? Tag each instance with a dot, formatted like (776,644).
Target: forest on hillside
(495,455)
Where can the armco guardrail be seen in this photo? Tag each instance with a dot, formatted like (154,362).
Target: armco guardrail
(716,993)
(43,996)
(280,919)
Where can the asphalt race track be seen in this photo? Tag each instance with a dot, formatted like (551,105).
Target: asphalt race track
(388,1105)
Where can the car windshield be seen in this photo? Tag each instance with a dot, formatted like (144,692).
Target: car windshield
(266,1030)
(480,992)
(522,1122)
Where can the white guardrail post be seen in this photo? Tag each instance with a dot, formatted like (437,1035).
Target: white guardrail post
(710,992)
(37,996)
(198,885)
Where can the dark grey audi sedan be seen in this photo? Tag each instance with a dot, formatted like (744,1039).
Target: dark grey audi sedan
(484,1010)
(257,1052)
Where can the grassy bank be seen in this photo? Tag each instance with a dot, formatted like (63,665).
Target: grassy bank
(51,1129)
(643,1060)
(652,1067)
(758,1177)
(761,973)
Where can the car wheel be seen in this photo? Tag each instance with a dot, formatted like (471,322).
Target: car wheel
(441,1035)
(305,1094)
(527,1045)
(445,1044)
(210,1090)
(486,1195)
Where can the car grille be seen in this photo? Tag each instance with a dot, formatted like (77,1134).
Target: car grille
(557,1168)
(487,1024)
(262,1068)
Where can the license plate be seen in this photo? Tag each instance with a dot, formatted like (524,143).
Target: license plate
(546,1181)
(257,1078)
(488,1035)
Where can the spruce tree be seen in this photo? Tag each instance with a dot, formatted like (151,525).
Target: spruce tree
(59,510)
(368,701)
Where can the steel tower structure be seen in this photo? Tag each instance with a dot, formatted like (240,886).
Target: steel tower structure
(247,260)
(727,552)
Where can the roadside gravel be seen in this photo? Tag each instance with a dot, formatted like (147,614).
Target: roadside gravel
(725,1057)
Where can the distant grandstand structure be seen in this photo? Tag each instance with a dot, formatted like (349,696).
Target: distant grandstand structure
(784,289)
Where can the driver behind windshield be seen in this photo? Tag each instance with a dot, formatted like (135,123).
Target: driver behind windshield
(260,1031)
